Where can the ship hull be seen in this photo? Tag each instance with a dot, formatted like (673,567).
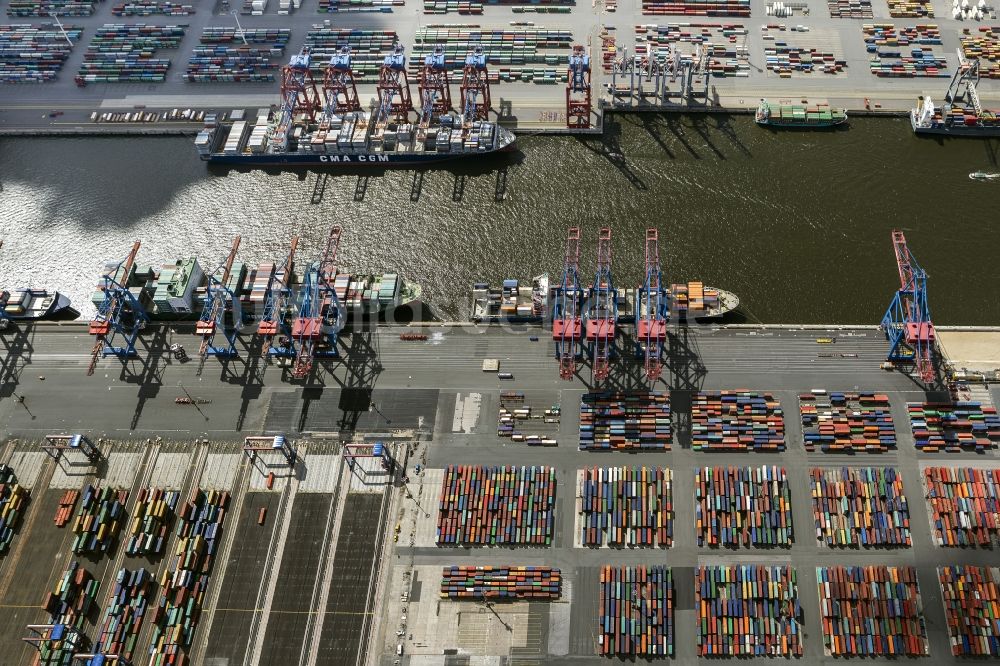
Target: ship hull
(974,131)
(380,160)
(801,126)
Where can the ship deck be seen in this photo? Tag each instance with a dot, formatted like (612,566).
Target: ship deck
(321,580)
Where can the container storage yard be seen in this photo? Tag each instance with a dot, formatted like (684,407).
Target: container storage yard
(446,541)
(946,426)
(618,421)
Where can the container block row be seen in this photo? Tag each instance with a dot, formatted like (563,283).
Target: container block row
(742,507)
(626,506)
(625,421)
(860,507)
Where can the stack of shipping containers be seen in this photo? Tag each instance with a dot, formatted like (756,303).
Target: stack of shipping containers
(846,422)
(637,612)
(736,421)
(965,506)
(13,501)
(185,581)
(972,609)
(501,583)
(492,505)
(623,421)
(860,506)
(947,426)
(125,613)
(742,507)
(151,519)
(871,611)
(99,519)
(747,611)
(626,506)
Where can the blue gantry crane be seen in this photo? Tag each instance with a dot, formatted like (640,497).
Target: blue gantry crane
(652,311)
(220,300)
(120,316)
(567,322)
(277,305)
(320,315)
(907,322)
(602,310)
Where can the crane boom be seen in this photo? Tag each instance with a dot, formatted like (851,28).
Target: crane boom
(320,315)
(652,310)
(278,291)
(907,322)
(602,314)
(218,296)
(567,325)
(118,313)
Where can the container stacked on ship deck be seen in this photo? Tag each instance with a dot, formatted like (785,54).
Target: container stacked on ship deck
(625,421)
(860,507)
(852,422)
(965,506)
(738,420)
(748,611)
(872,611)
(637,612)
(691,299)
(185,581)
(14,500)
(946,426)
(742,507)
(504,583)
(972,609)
(123,617)
(33,53)
(99,519)
(496,505)
(622,506)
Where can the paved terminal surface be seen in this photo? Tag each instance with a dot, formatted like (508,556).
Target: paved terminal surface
(342,568)
(523,105)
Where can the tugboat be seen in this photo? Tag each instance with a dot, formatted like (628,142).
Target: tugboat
(798,116)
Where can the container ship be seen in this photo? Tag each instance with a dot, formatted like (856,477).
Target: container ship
(962,113)
(798,116)
(304,131)
(35,305)
(512,302)
(953,119)
(176,291)
(693,300)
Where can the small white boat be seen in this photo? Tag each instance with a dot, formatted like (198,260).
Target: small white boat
(982,175)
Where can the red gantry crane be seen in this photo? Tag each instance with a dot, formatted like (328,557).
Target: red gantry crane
(298,95)
(120,314)
(320,315)
(220,300)
(435,90)
(567,324)
(907,322)
(652,311)
(277,302)
(578,102)
(340,93)
(602,310)
(476,101)
(394,99)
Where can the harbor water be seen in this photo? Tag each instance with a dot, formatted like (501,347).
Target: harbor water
(795,223)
